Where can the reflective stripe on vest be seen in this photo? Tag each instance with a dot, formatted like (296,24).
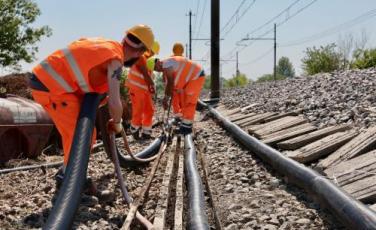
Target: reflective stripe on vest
(191,69)
(76,70)
(180,70)
(59,79)
(136,73)
(137,84)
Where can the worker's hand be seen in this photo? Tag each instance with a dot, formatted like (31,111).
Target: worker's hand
(165,102)
(115,127)
(151,89)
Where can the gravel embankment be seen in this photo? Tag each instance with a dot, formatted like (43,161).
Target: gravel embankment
(325,99)
(249,194)
(25,197)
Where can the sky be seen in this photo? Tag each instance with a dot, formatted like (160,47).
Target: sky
(71,20)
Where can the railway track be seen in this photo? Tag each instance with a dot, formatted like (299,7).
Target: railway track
(238,190)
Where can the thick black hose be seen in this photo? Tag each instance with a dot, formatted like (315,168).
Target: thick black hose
(352,213)
(63,212)
(196,201)
(125,160)
(29,167)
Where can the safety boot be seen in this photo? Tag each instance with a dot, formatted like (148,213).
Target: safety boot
(135,133)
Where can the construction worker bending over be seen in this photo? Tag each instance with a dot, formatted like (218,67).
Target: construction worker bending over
(141,89)
(87,65)
(185,79)
(177,50)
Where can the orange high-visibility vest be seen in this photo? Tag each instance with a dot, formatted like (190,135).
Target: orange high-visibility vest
(187,71)
(135,77)
(67,70)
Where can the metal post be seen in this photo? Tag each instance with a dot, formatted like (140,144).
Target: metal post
(190,34)
(186,50)
(275,52)
(237,64)
(215,45)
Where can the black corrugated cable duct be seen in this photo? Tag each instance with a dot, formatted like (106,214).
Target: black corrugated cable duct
(125,161)
(352,213)
(197,218)
(63,212)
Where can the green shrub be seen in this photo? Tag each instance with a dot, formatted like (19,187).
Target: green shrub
(363,59)
(322,60)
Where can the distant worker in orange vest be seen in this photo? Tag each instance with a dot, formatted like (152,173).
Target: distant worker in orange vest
(141,89)
(177,50)
(87,65)
(185,80)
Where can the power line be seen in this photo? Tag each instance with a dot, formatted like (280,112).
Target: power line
(196,13)
(236,16)
(201,17)
(289,16)
(359,19)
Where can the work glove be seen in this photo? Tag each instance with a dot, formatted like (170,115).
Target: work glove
(165,103)
(115,127)
(151,89)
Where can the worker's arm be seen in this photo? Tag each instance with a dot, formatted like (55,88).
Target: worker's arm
(114,71)
(168,73)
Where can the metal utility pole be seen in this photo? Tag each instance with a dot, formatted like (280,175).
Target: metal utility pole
(275,49)
(275,52)
(190,34)
(215,45)
(237,64)
(186,50)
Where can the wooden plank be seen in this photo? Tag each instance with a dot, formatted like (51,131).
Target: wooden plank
(270,129)
(179,204)
(231,112)
(322,147)
(364,142)
(288,133)
(253,120)
(352,170)
(373,207)
(164,194)
(351,164)
(248,107)
(300,141)
(292,113)
(241,117)
(363,190)
(254,128)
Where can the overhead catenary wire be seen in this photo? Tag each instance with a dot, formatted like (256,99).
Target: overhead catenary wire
(234,19)
(359,19)
(273,19)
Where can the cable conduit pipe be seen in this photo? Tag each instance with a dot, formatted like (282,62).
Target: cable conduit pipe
(351,213)
(125,160)
(63,212)
(29,167)
(197,218)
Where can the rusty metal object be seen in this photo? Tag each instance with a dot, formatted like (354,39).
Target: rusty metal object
(25,128)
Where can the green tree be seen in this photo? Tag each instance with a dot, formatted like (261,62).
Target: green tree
(237,81)
(363,59)
(270,77)
(207,83)
(17,37)
(285,67)
(325,59)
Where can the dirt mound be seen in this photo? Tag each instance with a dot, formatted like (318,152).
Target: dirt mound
(16,84)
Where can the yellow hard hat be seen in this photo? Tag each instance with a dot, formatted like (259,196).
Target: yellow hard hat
(144,34)
(178,49)
(155,48)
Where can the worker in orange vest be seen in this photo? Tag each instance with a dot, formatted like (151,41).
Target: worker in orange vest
(87,65)
(177,50)
(185,80)
(141,89)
